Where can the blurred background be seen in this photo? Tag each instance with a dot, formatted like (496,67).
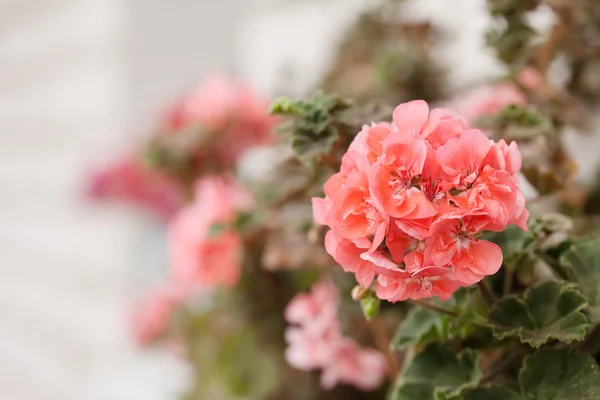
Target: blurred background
(80,78)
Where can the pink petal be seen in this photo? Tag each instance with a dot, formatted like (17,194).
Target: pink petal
(320,208)
(410,117)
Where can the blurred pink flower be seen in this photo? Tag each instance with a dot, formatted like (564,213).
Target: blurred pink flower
(151,316)
(530,78)
(205,250)
(127,179)
(233,117)
(315,341)
(488,100)
(363,368)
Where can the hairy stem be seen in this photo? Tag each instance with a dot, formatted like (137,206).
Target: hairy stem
(501,366)
(591,344)
(382,341)
(548,49)
(487,294)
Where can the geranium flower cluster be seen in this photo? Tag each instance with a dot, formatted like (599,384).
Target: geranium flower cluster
(229,117)
(411,200)
(205,249)
(315,342)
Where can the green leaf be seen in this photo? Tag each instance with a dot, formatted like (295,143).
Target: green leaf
(482,393)
(423,325)
(284,106)
(549,310)
(317,127)
(552,374)
(437,369)
(581,264)
(420,324)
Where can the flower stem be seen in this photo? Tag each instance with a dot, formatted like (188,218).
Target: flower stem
(509,274)
(382,341)
(503,365)
(590,344)
(433,307)
(487,294)
(508,280)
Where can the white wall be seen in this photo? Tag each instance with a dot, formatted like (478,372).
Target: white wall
(75,74)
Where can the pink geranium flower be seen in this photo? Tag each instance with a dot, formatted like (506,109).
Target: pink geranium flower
(368,144)
(363,368)
(151,316)
(530,78)
(393,177)
(348,255)
(454,242)
(350,207)
(315,341)
(461,159)
(424,283)
(437,127)
(412,198)
(204,248)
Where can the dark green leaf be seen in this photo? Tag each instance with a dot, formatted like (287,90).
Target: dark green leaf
(552,374)
(549,310)
(318,127)
(440,369)
(420,324)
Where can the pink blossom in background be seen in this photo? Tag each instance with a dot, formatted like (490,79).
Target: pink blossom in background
(204,249)
(488,100)
(353,365)
(426,186)
(211,104)
(127,179)
(315,341)
(232,115)
(530,78)
(151,316)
